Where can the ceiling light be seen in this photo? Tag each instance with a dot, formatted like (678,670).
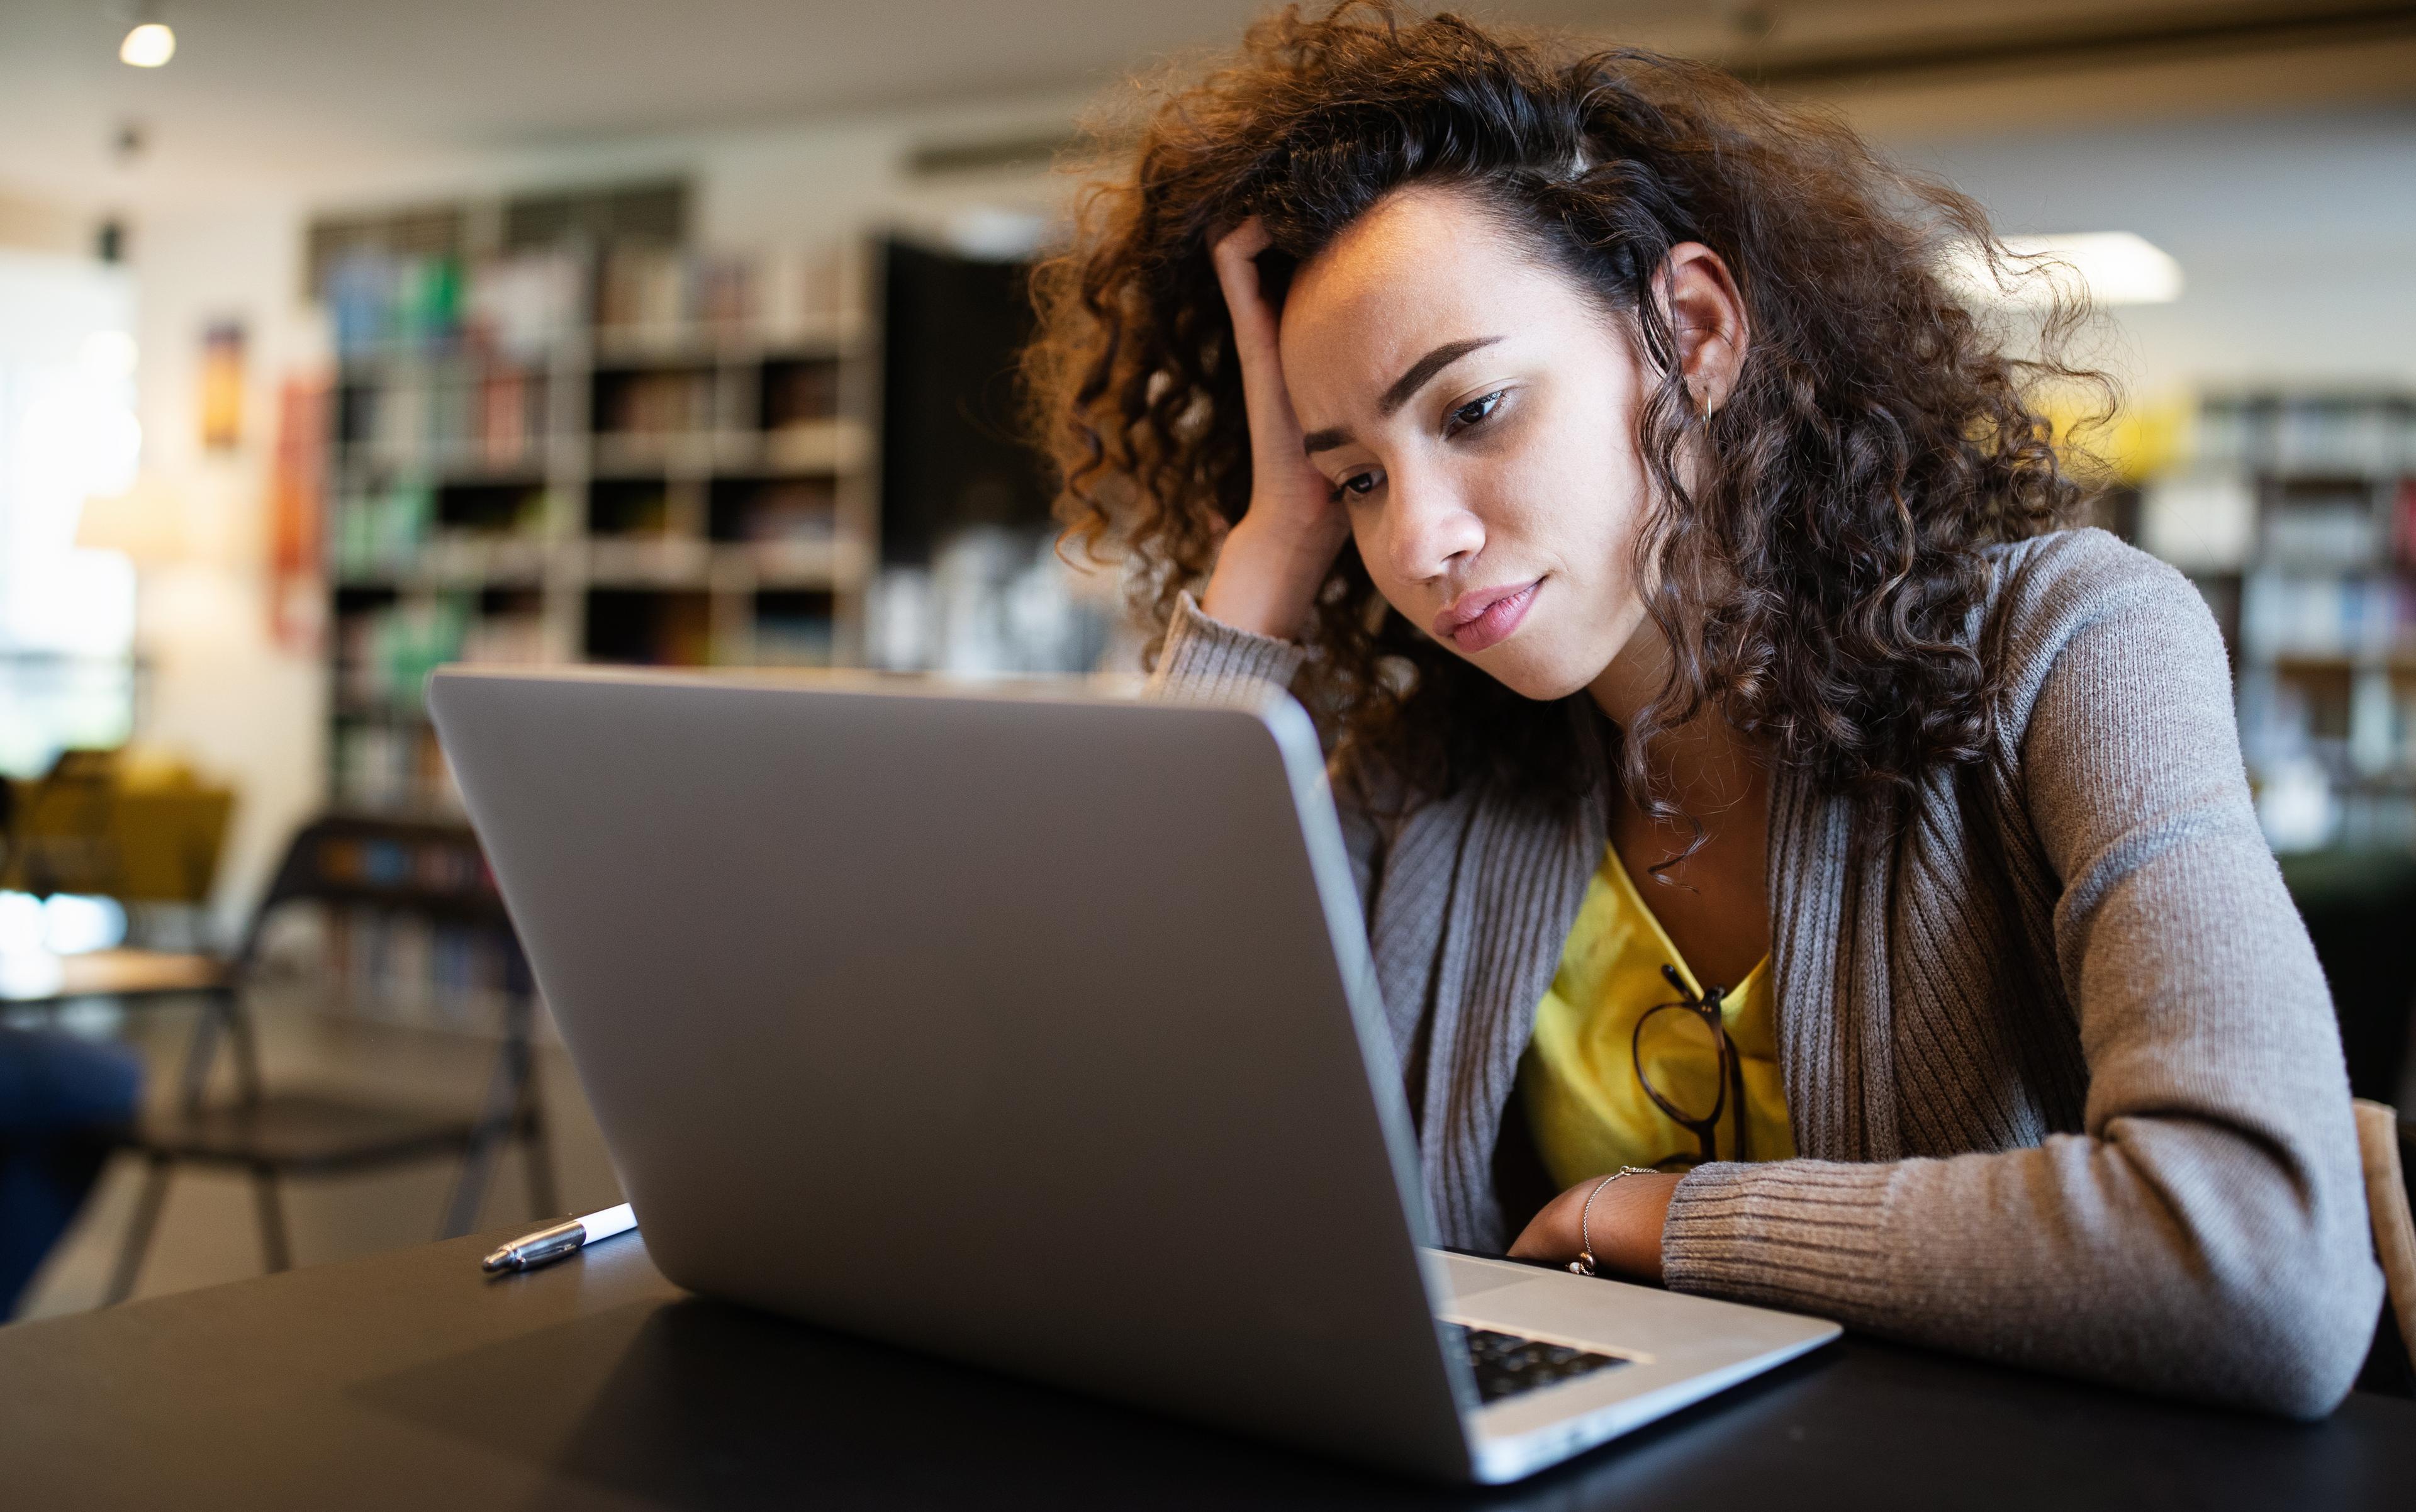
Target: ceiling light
(2111,267)
(150,44)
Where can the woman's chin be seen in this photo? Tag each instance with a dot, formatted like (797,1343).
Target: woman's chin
(1530,671)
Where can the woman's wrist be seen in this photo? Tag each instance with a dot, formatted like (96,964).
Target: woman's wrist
(1633,1243)
(1266,577)
(1623,1233)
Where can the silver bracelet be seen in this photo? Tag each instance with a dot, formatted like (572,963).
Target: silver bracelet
(1583,1265)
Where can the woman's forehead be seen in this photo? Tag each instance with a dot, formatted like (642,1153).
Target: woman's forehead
(1423,267)
(1414,241)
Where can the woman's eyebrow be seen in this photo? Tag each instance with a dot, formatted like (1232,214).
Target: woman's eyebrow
(1425,368)
(1406,386)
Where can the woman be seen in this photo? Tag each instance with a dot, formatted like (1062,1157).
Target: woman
(1780,841)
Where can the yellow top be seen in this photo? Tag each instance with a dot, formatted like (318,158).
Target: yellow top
(1588,1114)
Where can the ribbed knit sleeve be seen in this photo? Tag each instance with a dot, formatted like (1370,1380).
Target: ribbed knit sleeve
(2203,1232)
(1806,1236)
(1206,656)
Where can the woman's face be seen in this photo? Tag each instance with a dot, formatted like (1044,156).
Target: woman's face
(1475,411)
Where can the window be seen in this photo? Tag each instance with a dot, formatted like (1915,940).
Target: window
(68,431)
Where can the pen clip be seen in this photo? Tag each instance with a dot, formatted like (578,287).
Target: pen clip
(536,1248)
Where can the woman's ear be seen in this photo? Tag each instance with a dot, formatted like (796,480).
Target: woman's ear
(1707,317)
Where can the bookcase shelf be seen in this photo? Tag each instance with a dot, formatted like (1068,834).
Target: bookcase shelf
(2296,516)
(638,454)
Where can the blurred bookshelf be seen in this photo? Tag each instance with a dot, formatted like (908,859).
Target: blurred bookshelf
(559,435)
(2295,514)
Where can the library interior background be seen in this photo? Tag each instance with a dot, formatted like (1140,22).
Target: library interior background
(343,342)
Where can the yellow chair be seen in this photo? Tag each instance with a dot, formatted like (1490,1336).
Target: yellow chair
(134,827)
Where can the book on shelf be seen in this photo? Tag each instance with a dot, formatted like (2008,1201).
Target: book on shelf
(773,509)
(466,413)
(392,765)
(650,296)
(2322,435)
(383,655)
(382,302)
(2326,617)
(656,401)
(381,531)
(406,969)
(793,629)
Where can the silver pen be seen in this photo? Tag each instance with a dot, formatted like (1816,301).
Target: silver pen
(547,1244)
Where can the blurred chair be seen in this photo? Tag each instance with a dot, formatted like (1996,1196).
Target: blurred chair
(134,825)
(433,873)
(2383,1144)
(60,835)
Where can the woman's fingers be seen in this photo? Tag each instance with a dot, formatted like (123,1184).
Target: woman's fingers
(1275,432)
(1236,255)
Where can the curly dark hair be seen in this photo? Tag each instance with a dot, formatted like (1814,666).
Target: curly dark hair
(1816,564)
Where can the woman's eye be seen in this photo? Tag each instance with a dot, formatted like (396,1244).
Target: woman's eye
(1360,484)
(1476,411)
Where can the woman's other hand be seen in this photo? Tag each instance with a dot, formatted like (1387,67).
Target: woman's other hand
(1273,561)
(1625,1225)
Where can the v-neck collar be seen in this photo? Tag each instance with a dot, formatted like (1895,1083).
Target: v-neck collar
(1633,897)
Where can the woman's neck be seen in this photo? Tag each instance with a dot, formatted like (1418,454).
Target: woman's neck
(1708,887)
(1706,766)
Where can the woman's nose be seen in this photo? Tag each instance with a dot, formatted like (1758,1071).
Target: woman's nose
(1434,531)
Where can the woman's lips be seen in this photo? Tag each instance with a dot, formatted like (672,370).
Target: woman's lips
(1486,616)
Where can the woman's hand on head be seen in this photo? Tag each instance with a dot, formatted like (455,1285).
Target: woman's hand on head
(1267,574)
(1625,1225)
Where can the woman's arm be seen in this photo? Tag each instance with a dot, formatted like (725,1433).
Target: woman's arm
(2206,1234)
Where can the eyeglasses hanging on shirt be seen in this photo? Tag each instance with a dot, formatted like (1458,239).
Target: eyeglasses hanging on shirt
(1704,1011)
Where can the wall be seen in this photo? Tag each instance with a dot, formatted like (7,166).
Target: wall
(222,690)
(34,225)
(67,432)
(2295,234)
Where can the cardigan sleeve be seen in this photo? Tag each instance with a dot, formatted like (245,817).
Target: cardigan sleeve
(2205,1234)
(1203,656)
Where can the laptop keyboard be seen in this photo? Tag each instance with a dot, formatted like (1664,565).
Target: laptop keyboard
(1508,1364)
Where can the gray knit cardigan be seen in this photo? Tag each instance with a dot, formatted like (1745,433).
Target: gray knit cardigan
(2080,1108)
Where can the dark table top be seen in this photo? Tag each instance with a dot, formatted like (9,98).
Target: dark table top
(412,1380)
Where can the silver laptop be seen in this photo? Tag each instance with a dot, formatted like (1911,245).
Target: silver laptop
(1034,1027)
